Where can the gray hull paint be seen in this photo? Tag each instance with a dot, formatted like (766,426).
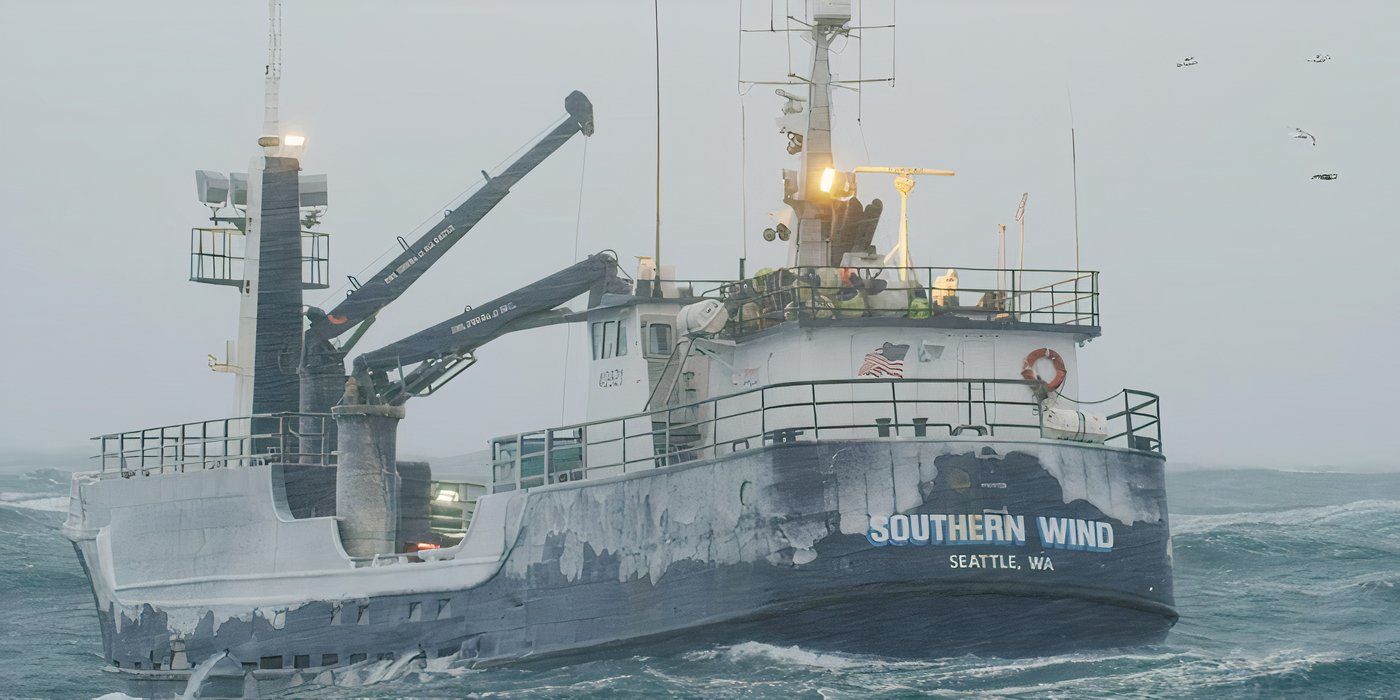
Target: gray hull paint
(759,546)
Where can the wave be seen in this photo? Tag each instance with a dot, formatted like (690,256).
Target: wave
(789,656)
(1312,515)
(1189,672)
(28,501)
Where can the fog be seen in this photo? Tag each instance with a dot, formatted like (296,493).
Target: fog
(1257,301)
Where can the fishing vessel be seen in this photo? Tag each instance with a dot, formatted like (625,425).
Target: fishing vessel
(850,453)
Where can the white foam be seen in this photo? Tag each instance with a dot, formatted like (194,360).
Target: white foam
(1192,671)
(792,656)
(27,501)
(1198,524)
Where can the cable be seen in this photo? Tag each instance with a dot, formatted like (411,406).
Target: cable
(451,204)
(569,327)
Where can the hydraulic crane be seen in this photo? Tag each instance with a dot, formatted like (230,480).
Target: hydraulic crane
(322,368)
(443,350)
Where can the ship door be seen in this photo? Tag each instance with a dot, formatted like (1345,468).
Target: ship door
(977,395)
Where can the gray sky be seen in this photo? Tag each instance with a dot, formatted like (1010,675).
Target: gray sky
(1258,302)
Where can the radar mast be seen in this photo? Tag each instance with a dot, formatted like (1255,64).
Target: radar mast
(272,72)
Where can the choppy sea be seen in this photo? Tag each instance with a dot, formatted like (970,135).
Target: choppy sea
(1288,585)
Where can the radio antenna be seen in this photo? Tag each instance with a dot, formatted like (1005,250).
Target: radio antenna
(1074,174)
(656,32)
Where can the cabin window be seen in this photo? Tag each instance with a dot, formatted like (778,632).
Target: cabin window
(609,339)
(301,661)
(270,662)
(597,329)
(659,342)
(330,659)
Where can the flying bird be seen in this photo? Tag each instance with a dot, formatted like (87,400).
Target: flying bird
(1325,176)
(1320,58)
(1188,61)
(1300,134)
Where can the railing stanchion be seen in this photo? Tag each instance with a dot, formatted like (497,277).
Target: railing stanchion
(894,404)
(548,456)
(1128,418)
(762,414)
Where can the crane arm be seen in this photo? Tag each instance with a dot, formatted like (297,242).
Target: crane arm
(401,272)
(443,350)
(901,171)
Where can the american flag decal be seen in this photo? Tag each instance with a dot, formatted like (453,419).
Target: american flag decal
(885,361)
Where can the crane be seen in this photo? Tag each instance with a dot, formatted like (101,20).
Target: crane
(322,368)
(444,349)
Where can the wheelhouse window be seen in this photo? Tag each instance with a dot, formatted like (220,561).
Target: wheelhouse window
(609,339)
(659,342)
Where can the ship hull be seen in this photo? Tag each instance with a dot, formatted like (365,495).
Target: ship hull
(781,544)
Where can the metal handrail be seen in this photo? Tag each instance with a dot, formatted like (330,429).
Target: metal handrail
(807,293)
(988,415)
(217,256)
(267,438)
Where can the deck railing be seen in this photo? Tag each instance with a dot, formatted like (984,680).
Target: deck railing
(260,439)
(1050,297)
(803,411)
(217,257)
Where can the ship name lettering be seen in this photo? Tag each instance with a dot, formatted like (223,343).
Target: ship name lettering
(950,529)
(1075,534)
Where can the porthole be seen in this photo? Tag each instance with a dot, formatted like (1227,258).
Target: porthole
(746,493)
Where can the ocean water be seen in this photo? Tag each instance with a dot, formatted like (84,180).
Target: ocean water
(1288,584)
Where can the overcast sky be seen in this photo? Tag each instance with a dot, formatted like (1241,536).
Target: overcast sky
(1258,302)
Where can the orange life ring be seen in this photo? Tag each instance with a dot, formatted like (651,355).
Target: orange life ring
(1028,369)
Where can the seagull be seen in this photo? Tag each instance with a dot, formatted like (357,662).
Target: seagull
(1320,58)
(1325,176)
(1188,61)
(1300,134)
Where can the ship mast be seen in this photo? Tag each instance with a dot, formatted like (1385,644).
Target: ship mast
(272,72)
(812,200)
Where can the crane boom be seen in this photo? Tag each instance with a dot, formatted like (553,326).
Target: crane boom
(445,348)
(401,272)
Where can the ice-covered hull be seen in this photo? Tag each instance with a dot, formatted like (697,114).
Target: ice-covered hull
(780,545)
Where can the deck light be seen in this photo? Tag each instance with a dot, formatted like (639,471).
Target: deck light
(828,177)
(447,496)
(294,140)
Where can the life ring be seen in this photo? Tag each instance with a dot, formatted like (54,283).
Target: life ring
(1028,369)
